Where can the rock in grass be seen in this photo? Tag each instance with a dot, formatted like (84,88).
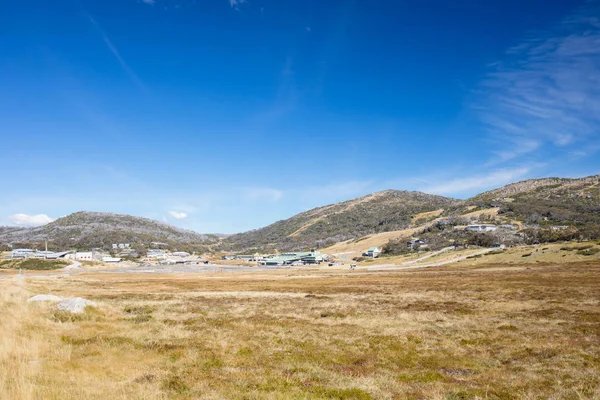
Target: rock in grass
(44,297)
(75,305)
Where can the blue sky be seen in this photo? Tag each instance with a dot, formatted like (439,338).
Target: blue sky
(227,115)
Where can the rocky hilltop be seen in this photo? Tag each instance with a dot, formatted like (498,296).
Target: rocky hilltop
(548,201)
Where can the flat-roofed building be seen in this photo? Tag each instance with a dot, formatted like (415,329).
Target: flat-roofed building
(482,228)
(373,252)
(22,253)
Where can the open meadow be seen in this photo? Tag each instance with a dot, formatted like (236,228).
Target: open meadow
(480,331)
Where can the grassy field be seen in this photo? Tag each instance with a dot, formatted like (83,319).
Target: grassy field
(493,331)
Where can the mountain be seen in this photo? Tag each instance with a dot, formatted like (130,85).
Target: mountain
(93,229)
(548,201)
(378,212)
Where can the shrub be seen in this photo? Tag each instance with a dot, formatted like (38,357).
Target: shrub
(588,252)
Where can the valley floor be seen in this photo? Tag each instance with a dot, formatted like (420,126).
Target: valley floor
(483,330)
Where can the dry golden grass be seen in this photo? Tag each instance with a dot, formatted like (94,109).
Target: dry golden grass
(497,331)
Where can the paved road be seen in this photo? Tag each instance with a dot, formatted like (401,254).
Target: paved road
(435,253)
(438,264)
(153,269)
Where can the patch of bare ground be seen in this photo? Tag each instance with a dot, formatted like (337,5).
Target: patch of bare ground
(468,332)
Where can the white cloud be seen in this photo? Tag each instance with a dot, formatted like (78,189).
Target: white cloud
(477,183)
(547,91)
(262,194)
(235,3)
(30,220)
(178,215)
(149,2)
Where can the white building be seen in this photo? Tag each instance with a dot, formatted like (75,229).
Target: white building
(22,253)
(482,228)
(81,256)
(156,253)
(373,252)
(109,259)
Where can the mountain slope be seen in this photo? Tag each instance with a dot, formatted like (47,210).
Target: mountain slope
(93,229)
(378,212)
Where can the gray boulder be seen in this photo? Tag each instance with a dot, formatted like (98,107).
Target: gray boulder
(75,305)
(43,297)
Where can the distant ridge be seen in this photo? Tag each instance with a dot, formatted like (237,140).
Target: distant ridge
(86,229)
(543,202)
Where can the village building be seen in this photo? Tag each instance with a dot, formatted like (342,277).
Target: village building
(373,252)
(482,228)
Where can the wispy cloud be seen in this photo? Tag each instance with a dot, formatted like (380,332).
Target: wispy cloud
(178,214)
(30,220)
(151,2)
(262,194)
(477,183)
(286,98)
(236,3)
(547,91)
(115,52)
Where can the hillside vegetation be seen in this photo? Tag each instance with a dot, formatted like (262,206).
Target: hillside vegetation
(379,212)
(34,264)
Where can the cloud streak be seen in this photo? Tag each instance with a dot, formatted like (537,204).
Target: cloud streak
(262,194)
(178,214)
(115,52)
(30,220)
(477,183)
(236,3)
(547,92)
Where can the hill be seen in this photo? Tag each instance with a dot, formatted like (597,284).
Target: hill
(93,229)
(385,211)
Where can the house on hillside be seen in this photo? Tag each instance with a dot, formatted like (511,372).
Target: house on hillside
(482,228)
(373,252)
(22,253)
(416,244)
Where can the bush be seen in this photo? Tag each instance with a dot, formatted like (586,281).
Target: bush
(395,247)
(482,240)
(588,252)
(34,264)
